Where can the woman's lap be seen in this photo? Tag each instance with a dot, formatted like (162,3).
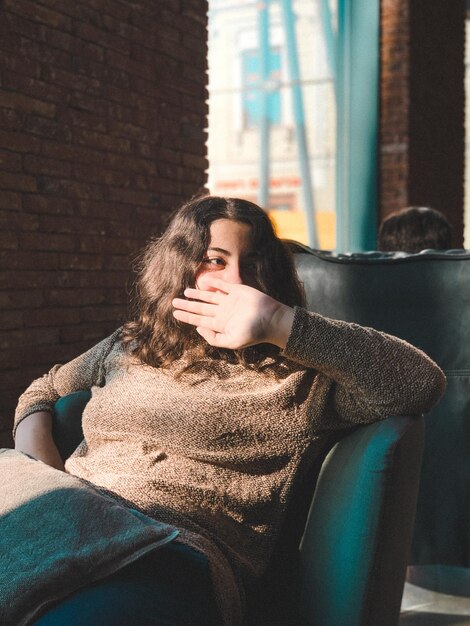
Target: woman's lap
(168,587)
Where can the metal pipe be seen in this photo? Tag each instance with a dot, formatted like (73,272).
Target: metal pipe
(263,100)
(299,119)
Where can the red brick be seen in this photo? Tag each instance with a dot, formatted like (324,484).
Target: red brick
(27,337)
(124,62)
(34,87)
(65,224)
(35,12)
(73,9)
(101,176)
(18,101)
(25,260)
(120,10)
(10,120)
(48,128)
(108,211)
(85,119)
(104,313)
(21,299)
(46,204)
(72,80)
(102,141)
(75,45)
(52,317)
(122,163)
(20,142)
(20,222)
(96,279)
(10,161)
(8,241)
(71,152)
(117,263)
(21,26)
(50,57)
(17,62)
(10,319)
(17,182)
(102,38)
(69,188)
(131,196)
(74,297)
(42,165)
(91,333)
(10,201)
(50,241)
(131,131)
(87,262)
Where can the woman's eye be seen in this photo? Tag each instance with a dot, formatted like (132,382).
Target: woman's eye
(214,262)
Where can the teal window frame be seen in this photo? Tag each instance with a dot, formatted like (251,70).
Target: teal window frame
(357,97)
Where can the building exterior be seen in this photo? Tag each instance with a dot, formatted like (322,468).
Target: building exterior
(236,89)
(420,147)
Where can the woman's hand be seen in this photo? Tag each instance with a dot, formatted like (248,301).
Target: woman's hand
(34,437)
(234,316)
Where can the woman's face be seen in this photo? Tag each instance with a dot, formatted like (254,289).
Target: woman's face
(230,254)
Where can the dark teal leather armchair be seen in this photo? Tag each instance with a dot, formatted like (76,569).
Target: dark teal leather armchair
(425,299)
(350,567)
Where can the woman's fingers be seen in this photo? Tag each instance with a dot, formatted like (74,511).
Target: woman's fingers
(210,282)
(212,297)
(200,308)
(194,319)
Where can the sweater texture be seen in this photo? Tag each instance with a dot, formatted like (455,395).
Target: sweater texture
(217,452)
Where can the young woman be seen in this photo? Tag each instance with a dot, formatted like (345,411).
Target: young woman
(208,403)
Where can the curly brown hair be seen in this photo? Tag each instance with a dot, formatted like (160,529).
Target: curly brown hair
(168,264)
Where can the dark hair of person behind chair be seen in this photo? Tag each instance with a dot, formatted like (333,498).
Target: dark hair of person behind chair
(414,229)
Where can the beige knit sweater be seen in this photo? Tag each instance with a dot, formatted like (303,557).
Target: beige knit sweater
(217,455)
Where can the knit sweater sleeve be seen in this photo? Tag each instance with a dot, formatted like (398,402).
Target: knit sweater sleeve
(374,374)
(83,372)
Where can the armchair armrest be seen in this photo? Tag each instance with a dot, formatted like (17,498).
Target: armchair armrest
(67,423)
(354,551)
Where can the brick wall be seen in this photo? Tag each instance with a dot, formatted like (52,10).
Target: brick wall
(394,105)
(422,138)
(102,117)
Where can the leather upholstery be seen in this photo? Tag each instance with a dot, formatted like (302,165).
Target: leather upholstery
(425,299)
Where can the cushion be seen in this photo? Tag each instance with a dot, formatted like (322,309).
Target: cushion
(57,534)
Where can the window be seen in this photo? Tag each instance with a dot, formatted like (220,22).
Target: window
(252,87)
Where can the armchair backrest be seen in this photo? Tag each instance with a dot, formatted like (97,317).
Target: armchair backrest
(425,299)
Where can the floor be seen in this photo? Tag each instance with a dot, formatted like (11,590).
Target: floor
(421,607)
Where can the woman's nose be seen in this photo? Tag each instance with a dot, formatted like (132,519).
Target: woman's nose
(233,274)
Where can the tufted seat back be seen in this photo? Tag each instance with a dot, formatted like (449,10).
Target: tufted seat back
(425,299)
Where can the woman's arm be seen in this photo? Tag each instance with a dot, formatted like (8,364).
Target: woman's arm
(83,372)
(34,437)
(378,374)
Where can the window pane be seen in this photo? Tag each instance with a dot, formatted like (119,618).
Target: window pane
(236,111)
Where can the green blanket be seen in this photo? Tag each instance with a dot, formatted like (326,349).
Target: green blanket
(58,534)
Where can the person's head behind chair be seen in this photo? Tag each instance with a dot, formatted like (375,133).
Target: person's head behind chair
(414,229)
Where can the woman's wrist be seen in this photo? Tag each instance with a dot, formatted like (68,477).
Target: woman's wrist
(281,325)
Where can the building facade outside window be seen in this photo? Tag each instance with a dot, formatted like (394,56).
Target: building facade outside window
(236,86)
